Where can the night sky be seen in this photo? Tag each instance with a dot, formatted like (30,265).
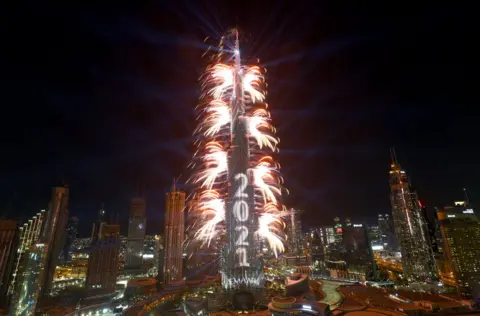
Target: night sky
(102,97)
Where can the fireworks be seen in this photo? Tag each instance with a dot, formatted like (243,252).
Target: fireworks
(232,91)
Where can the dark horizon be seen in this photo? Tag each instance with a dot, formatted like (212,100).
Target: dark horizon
(102,97)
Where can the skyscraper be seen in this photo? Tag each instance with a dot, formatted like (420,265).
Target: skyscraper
(387,232)
(136,233)
(410,226)
(338,230)
(294,233)
(8,252)
(375,237)
(29,286)
(461,232)
(41,242)
(37,264)
(28,235)
(98,225)
(358,254)
(54,233)
(103,260)
(174,235)
(72,229)
(234,168)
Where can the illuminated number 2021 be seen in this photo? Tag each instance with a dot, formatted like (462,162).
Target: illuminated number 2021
(241,213)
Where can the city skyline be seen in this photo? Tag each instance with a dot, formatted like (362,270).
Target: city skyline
(217,158)
(109,141)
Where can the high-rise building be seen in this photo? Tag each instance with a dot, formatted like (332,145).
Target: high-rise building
(317,249)
(97,225)
(358,254)
(72,229)
(39,260)
(375,237)
(430,218)
(136,233)
(294,233)
(54,234)
(387,232)
(29,233)
(174,235)
(29,286)
(410,226)
(337,230)
(329,235)
(461,232)
(8,252)
(103,260)
(192,246)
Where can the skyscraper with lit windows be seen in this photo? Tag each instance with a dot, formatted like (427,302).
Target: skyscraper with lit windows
(42,240)
(174,236)
(8,252)
(136,233)
(461,233)
(410,226)
(103,260)
(54,233)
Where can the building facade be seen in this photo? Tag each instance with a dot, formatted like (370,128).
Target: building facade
(103,259)
(387,232)
(358,253)
(410,227)
(375,237)
(8,252)
(72,230)
(294,233)
(136,233)
(98,225)
(29,233)
(461,233)
(29,286)
(174,236)
(54,233)
(41,242)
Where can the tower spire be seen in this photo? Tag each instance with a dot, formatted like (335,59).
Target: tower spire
(467,201)
(393,156)
(175,180)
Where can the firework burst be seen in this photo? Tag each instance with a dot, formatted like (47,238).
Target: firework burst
(226,81)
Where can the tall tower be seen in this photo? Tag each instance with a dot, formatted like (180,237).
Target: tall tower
(174,235)
(238,182)
(386,228)
(461,234)
(410,226)
(42,241)
(72,230)
(8,253)
(28,234)
(103,260)
(242,266)
(358,252)
(54,233)
(98,225)
(136,233)
(295,236)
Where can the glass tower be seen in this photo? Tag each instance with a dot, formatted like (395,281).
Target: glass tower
(410,226)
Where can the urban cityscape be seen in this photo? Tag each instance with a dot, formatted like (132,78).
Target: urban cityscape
(231,242)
